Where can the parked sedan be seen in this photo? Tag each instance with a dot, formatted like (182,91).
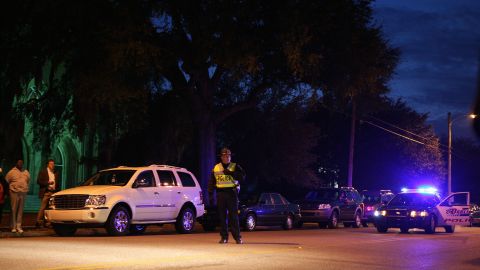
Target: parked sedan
(264,209)
(268,209)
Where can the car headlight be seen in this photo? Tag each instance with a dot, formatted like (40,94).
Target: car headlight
(418,213)
(96,200)
(51,201)
(380,213)
(324,206)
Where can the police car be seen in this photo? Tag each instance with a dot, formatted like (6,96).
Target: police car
(424,209)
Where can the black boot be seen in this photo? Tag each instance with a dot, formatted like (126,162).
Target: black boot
(223,241)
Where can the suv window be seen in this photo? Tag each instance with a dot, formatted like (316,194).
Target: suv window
(186,179)
(326,194)
(110,177)
(146,179)
(166,178)
(277,199)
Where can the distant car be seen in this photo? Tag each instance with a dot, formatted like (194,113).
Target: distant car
(264,209)
(329,206)
(474,215)
(423,209)
(372,199)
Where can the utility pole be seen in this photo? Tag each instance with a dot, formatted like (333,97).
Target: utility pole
(352,143)
(449,180)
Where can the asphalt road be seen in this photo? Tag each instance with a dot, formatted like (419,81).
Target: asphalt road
(268,248)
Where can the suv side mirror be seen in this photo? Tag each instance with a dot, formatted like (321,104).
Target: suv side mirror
(140,183)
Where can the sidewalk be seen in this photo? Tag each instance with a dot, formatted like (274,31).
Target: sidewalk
(28,226)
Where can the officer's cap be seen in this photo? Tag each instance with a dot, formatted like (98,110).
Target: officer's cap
(225,151)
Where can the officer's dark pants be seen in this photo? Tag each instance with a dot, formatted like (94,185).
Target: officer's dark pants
(228,203)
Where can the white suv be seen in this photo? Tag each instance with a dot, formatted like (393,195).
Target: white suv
(126,199)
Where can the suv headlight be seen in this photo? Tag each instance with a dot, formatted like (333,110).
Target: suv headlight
(51,202)
(96,200)
(324,206)
(378,213)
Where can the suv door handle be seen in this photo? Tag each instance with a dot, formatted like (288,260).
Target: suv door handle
(179,192)
(156,193)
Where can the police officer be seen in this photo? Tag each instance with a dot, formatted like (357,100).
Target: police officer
(225,179)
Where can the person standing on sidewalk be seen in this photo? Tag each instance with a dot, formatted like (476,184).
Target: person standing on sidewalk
(18,180)
(48,180)
(225,180)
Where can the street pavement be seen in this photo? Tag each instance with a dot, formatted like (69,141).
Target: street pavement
(267,248)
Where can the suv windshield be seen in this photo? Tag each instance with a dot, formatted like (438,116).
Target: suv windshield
(322,195)
(110,178)
(414,199)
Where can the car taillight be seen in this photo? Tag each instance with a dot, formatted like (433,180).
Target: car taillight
(370,208)
(201,197)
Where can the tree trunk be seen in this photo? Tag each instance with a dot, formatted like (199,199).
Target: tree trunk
(207,153)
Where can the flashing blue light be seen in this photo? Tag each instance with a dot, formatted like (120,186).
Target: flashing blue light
(404,189)
(429,190)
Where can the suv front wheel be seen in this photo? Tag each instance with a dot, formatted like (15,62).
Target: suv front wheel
(185,221)
(118,222)
(333,221)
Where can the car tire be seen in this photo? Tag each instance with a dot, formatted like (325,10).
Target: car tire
(137,229)
(382,229)
(404,229)
(358,221)
(64,230)
(333,220)
(431,225)
(250,222)
(288,223)
(118,223)
(185,221)
(450,229)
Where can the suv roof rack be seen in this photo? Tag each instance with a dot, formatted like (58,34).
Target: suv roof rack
(166,166)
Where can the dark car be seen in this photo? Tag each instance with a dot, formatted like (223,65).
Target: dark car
(474,215)
(373,199)
(329,206)
(264,209)
(423,209)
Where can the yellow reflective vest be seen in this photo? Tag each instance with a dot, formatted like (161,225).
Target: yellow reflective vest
(224,180)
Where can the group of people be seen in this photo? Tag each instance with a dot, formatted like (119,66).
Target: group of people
(224,181)
(16,185)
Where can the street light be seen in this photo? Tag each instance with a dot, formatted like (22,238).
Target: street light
(450,122)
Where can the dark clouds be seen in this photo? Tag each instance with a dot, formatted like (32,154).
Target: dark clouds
(440,45)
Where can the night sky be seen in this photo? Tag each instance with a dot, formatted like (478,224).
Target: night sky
(440,51)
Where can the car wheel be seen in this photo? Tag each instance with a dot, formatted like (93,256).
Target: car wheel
(358,221)
(333,221)
(450,229)
(288,224)
(382,229)
(118,222)
(250,222)
(431,225)
(64,230)
(185,221)
(404,229)
(137,229)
